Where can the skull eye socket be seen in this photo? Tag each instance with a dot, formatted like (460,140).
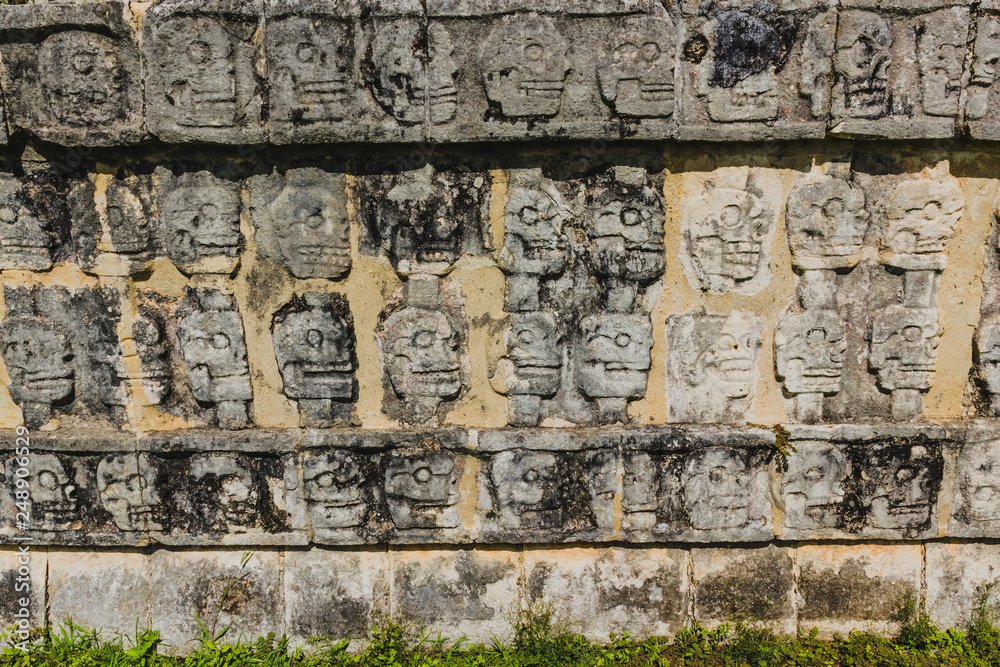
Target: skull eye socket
(623,340)
(314,338)
(534,53)
(199,52)
(650,52)
(220,341)
(48,480)
(526,336)
(530,216)
(631,217)
(423,339)
(306,52)
(833,208)
(814,474)
(531,476)
(718,474)
(730,216)
(423,475)
(911,334)
(324,480)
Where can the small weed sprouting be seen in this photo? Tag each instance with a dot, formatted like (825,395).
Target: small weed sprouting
(209,636)
(916,629)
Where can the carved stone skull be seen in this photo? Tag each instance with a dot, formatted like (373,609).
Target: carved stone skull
(315,351)
(38,359)
(152,347)
(861,61)
(310,69)
(527,486)
(54,505)
(809,351)
(25,236)
(200,219)
(614,355)
(922,217)
(82,77)
(422,354)
(314,239)
(126,485)
(636,73)
(232,498)
(812,487)
(979,480)
(420,487)
(716,489)
(724,240)
(941,48)
(827,222)
(334,488)
(904,347)
(535,354)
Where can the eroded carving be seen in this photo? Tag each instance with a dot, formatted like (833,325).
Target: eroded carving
(314,346)
(528,489)
(37,356)
(985,57)
(199,222)
(900,487)
(529,366)
(614,360)
(422,358)
(827,222)
(712,365)
(524,63)
(812,487)
(716,489)
(809,357)
(126,485)
(903,351)
(52,492)
(26,237)
(226,494)
(82,77)
(922,216)
(941,47)
(421,489)
(153,349)
(862,61)
(979,481)
(727,230)
(636,73)
(335,490)
(210,333)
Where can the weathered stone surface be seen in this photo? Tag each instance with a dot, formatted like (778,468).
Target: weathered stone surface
(23,576)
(842,588)
(613,360)
(314,343)
(827,220)
(727,222)
(201,83)
(981,89)
(526,363)
(199,222)
(75,79)
(34,217)
(459,593)
(190,586)
(712,366)
(424,220)
(954,571)
(112,233)
(210,336)
(301,222)
(757,583)
(694,492)
(121,584)
(754,72)
(809,356)
(334,593)
(975,504)
(898,69)
(604,591)
(921,217)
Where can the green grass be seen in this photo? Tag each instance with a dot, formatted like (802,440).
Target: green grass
(540,642)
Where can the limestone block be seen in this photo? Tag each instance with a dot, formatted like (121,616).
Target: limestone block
(886,487)
(76,79)
(756,72)
(847,587)
(552,70)
(827,219)
(314,343)
(457,593)
(23,576)
(62,352)
(111,234)
(954,571)
(921,216)
(712,365)
(423,219)
(229,498)
(613,358)
(211,343)
(526,361)
(301,222)
(898,69)
(987,355)
(343,496)
(423,349)
(75,499)
(741,584)
(106,592)
(981,89)
(692,490)
(537,487)
(335,594)
(201,77)
(809,347)
(642,592)
(33,210)
(191,585)
(975,503)
(727,221)
(199,222)
(624,217)
(422,487)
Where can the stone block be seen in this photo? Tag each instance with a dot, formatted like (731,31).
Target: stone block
(423,220)
(228,498)
(314,342)
(75,80)
(898,69)
(749,584)
(642,592)
(975,501)
(457,593)
(22,577)
(112,234)
(712,367)
(539,488)
(334,594)
(525,70)
(886,488)
(301,222)
(34,235)
(201,79)
(847,587)
(753,73)
(954,571)
(981,90)
(697,489)
(193,585)
(109,592)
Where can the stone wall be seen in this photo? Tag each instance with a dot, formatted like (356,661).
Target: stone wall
(662,313)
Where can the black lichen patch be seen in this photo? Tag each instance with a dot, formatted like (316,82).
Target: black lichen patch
(749,41)
(755,587)
(430,595)
(846,593)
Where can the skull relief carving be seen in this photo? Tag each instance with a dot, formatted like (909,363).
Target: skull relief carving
(199,221)
(126,485)
(230,500)
(614,360)
(37,357)
(152,347)
(862,62)
(54,505)
(979,480)
(941,47)
(636,73)
(809,351)
(528,489)
(524,64)
(901,490)
(335,490)
(716,489)
(904,347)
(812,487)
(82,78)
(827,222)
(311,70)
(215,356)
(985,57)
(533,355)
(987,353)
(922,216)
(25,236)
(422,489)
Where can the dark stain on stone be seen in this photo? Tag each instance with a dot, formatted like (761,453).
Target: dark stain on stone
(752,588)
(847,593)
